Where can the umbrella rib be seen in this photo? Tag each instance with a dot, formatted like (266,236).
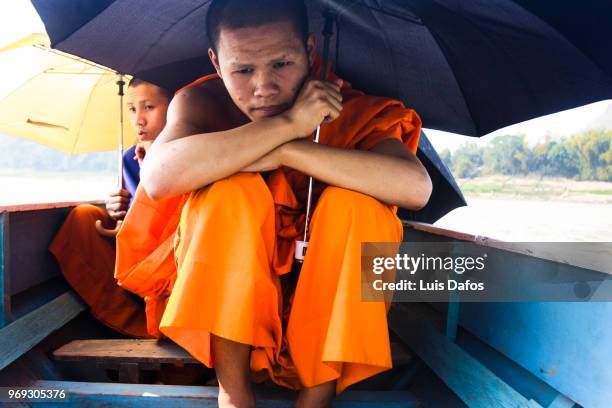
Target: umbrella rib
(163,33)
(80,127)
(74,58)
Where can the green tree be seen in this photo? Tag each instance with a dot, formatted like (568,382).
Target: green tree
(467,161)
(508,154)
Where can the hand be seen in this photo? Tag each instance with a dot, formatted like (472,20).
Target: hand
(117,204)
(268,162)
(141,150)
(317,102)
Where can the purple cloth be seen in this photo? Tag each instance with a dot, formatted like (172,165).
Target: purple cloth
(131,171)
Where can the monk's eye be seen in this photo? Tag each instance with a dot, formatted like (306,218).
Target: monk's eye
(149,107)
(244,71)
(132,109)
(281,64)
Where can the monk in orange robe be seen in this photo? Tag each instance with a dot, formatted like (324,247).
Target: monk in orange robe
(86,258)
(221,210)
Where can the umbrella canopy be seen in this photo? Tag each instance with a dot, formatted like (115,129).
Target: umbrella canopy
(176,54)
(467,67)
(59,100)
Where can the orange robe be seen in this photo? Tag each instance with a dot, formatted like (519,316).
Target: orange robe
(87,261)
(235,239)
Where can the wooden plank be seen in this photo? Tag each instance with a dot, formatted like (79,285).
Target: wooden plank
(400,354)
(157,351)
(124,350)
(595,256)
(153,395)
(129,373)
(30,234)
(561,401)
(421,328)
(573,343)
(23,334)
(5,299)
(46,206)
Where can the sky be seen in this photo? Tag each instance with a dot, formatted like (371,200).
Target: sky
(19,19)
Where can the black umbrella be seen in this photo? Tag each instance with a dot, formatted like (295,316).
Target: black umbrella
(468,67)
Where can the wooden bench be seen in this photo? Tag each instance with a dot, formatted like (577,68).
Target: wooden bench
(154,395)
(130,356)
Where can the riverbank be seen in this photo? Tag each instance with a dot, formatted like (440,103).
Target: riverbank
(537,188)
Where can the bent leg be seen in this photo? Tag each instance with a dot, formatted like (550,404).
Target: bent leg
(225,286)
(87,261)
(332,333)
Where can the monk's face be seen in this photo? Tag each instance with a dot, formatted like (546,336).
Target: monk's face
(148,106)
(263,68)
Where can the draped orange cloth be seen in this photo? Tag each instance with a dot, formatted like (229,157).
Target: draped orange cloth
(216,261)
(87,261)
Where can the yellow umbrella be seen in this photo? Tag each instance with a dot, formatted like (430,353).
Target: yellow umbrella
(62,101)
(59,100)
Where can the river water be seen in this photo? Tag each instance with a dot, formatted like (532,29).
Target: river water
(518,220)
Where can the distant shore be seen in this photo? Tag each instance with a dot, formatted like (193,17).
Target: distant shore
(537,188)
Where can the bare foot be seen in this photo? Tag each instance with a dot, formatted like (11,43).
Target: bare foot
(319,396)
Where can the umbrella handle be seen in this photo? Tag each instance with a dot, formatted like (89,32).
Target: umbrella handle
(106,232)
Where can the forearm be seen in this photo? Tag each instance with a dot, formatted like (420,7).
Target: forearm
(186,164)
(390,179)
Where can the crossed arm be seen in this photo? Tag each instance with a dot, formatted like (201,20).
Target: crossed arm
(191,153)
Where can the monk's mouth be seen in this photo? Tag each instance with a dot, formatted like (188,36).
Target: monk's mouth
(267,111)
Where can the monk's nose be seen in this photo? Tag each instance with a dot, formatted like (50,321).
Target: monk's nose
(140,119)
(264,86)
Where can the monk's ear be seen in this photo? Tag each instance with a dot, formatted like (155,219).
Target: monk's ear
(215,60)
(311,48)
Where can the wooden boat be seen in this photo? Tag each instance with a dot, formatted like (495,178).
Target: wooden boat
(553,355)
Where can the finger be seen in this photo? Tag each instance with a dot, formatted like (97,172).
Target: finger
(117,206)
(331,91)
(332,85)
(118,200)
(119,214)
(337,105)
(119,193)
(113,207)
(331,116)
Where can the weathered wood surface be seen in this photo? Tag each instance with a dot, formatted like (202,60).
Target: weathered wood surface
(5,299)
(45,206)
(153,395)
(595,256)
(422,330)
(30,262)
(157,351)
(124,350)
(567,345)
(23,334)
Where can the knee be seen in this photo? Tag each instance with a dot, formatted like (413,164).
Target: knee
(236,194)
(87,212)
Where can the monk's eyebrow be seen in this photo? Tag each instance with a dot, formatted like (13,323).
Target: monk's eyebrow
(236,64)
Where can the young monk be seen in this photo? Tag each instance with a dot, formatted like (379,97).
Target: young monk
(238,197)
(86,258)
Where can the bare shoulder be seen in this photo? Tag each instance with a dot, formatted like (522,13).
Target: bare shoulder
(189,104)
(205,108)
